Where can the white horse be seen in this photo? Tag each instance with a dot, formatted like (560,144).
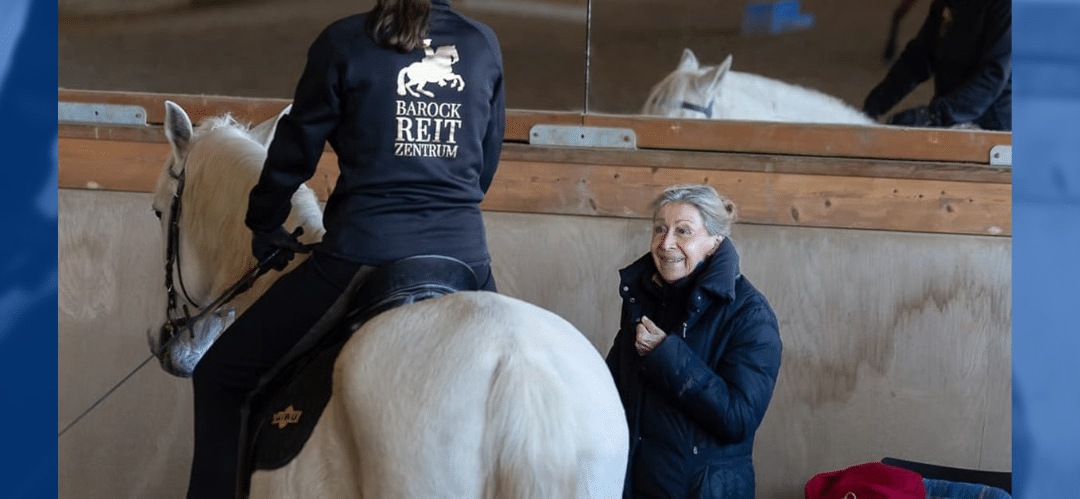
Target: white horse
(435,67)
(717,92)
(468,395)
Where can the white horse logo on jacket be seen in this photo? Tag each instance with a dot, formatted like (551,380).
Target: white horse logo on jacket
(435,67)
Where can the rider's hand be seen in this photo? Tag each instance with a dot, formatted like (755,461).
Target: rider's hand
(916,116)
(265,243)
(648,336)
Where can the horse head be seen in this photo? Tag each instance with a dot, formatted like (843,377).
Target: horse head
(718,92)
(690,91)
(200,199)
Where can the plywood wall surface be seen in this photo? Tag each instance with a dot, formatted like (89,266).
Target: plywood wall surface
(894,343)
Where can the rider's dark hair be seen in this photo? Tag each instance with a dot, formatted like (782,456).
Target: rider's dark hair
(399,24)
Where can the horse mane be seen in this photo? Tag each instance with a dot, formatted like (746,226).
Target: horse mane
(668,91)
(223,165)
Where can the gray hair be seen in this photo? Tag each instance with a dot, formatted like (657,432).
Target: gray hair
(717,211)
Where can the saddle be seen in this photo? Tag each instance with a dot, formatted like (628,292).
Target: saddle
(281,413)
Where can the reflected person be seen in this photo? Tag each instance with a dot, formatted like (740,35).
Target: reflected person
(697,354)
(966,47)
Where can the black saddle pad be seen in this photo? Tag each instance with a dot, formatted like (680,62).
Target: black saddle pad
(281,415)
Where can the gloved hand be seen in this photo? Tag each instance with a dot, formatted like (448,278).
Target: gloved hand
(872,105)
(916,116)
(265,243)
(648,336)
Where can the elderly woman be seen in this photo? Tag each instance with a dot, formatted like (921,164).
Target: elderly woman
(696,356)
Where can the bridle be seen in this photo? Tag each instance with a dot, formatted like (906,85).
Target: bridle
(706,109)
(172,246)
(178,317)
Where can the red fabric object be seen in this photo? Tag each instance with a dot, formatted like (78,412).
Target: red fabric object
(867,481)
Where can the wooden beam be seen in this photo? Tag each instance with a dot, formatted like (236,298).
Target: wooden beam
(836,141)
(878,142)
(775,163)
(255,110)
(811,165)
(119,165)
(618,190)
(762,198)
(882,178)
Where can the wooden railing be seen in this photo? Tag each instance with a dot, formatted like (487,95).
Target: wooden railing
(883,178)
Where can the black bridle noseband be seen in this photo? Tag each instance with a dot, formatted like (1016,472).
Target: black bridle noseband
(706,109)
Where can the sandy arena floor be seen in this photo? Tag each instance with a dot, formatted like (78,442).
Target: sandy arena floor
(256,48)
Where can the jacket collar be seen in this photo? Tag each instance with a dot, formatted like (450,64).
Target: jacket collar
(717,278)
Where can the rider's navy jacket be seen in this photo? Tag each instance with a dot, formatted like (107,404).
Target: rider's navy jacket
(966,46)
(417,135)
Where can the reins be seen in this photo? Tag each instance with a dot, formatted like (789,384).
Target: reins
(174,321)
(174,324)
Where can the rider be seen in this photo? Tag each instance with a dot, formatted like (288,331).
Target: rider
(966,46)
(413,171)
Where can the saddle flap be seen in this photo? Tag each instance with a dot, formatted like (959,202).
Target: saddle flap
(281,414)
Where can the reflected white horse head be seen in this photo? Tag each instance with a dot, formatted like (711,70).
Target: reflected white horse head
(718,92)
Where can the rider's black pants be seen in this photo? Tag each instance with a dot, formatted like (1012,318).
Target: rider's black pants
(249,348)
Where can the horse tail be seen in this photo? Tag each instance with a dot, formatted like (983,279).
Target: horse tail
(530,432)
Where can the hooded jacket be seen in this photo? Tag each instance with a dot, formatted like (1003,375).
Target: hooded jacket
(417,136)
(694,403)
(966,46)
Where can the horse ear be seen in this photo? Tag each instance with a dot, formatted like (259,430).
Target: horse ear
(688,62)
(716,74)
(177,128)
(263,133)
(726,65)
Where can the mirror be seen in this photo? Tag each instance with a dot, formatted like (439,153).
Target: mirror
(835,48)
(592,56)
(257,48)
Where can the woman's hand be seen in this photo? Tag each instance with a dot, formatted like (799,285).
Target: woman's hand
(648,336)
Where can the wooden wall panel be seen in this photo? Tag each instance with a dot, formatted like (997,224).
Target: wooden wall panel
(254,110)
(888,336)
(921,144)
(769,189)
(762,198)
(810,139)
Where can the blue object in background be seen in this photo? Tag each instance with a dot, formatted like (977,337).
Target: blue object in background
(945,489)
(775,17)
(28,286)
(1046,248)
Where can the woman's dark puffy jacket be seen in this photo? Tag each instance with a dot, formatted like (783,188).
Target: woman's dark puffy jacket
(694,403)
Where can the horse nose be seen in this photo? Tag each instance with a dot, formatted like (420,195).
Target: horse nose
(154,341)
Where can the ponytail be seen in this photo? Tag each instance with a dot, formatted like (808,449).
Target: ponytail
(399,24)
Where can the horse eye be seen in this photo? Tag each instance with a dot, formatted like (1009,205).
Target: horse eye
(157,213)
